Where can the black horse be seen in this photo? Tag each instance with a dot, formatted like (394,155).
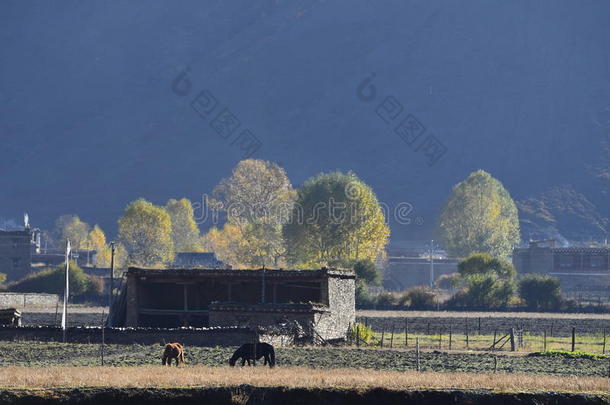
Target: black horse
(250,351)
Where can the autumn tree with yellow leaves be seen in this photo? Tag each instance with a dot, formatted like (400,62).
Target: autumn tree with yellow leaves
(185,232)
(257,199)
(479,217)
(336,220)
(145,232)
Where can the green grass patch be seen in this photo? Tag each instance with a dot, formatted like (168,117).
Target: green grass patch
(569,355)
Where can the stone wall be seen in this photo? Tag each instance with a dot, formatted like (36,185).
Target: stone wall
(250,318)
(342,305)
(144,336)
(25,300)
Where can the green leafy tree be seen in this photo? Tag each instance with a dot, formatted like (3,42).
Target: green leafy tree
(257,199)
(336,219)
(419,298)
(185,232)
(489,282)
(386,299)
(479,216)
(366,271)
(71,227)
(145,232)
(540,291)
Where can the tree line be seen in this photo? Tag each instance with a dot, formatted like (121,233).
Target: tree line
(332,219)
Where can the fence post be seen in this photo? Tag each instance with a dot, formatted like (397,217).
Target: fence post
(417,352)
(479,325)
(358,335)
(382,335)
(349,334)
(495,364)
(406,332)
(450,337)
(255,343)
(604,344)
(573,338)
(103,338)
(392,337)
(512,339)
(544,344)
(467,342)
(440,339)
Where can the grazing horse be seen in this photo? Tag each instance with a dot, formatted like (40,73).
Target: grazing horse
(247,352)
(173,351)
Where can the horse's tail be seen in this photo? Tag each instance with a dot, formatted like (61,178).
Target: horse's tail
(271,356)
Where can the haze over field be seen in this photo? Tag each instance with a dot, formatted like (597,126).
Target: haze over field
(89,121)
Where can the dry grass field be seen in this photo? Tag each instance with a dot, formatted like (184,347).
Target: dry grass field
(203,376)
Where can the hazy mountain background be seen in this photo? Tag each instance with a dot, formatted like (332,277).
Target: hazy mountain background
(89,122)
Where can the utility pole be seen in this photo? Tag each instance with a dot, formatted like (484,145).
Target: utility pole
(431,263)
(112,250)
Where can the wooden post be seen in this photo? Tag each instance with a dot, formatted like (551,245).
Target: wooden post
(604,344)
(349,334)
(479,325)
(382,335)
(358,335)
(392,337)
(450,336)
(573,338)
(467,342)
(406,332)
(255,342)
(544,344)
(417,352)
(440,339)
(495,364)
(56,311)
(103,338)
(512,339)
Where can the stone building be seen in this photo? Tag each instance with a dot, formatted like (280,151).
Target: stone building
(576,267)
(321,301)
(16,249)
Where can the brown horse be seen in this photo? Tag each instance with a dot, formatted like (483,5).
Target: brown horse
(173,351)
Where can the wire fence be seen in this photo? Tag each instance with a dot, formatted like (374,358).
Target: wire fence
(450,336)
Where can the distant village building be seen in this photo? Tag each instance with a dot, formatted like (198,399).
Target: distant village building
(202,260)
(406,272)
(55,257)
(321,301)
(16,250)
(576,267)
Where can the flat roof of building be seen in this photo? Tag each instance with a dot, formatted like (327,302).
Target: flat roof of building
(241,273)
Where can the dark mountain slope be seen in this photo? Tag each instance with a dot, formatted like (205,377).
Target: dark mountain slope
(88,120)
